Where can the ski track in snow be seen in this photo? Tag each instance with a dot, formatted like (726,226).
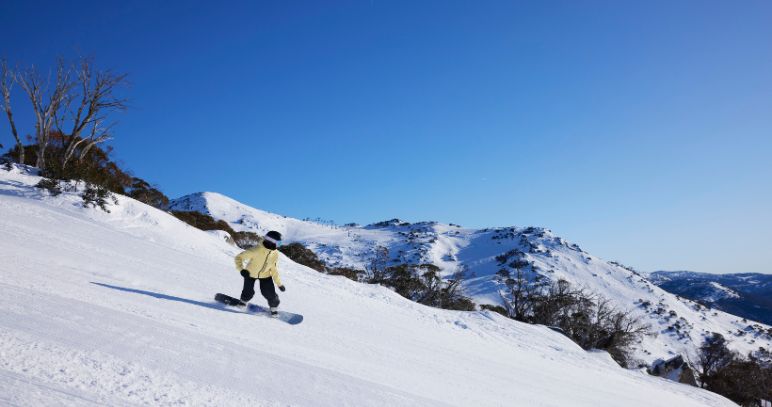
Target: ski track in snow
(116,309)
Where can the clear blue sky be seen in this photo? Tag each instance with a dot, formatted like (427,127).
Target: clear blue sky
(640,130)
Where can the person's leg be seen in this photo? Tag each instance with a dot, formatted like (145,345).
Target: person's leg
(249,288)
(269,292)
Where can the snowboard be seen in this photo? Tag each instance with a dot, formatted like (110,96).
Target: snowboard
(288,317)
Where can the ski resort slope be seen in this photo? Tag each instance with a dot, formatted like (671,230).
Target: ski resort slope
(116,308)
(677,326)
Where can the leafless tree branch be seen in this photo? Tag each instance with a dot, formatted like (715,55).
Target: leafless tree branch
(76,97)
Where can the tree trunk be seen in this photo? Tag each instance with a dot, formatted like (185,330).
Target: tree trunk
(6,83)
(41,162)
(19,145)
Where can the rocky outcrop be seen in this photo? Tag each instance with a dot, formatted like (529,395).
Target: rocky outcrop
(675,369)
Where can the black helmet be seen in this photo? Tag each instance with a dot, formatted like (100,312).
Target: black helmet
(274,235)
(272,240)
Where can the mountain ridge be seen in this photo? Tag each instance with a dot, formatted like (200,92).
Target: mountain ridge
(748,295)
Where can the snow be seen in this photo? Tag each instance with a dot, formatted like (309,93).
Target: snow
(720,292)
(116,308)
(678,326)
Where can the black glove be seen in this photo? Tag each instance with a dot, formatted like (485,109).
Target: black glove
(244,273)
(281,287)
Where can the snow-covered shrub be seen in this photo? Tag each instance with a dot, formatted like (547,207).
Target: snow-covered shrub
(495,308)
(390,222)
(97,196)
(743,380)
(142,191)
(587,318)
(202,221)
(404,280)
(93,166)
(421,283)
(350,273)
(302,255)
(504,257)
(50,185)
(245,240)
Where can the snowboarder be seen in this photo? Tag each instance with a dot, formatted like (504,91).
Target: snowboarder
(259,264)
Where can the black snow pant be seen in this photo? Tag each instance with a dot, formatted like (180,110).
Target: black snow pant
(267,289)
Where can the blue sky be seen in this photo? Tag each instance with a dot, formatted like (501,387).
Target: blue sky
(640,130)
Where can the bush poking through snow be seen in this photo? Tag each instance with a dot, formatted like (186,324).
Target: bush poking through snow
(95,167)
(495,308)
(142,191)
(421,283)
(245,240)
(350,273)
(202,221)
(50,185)
(97,196)
(745,381)
(587,318)
(302,255)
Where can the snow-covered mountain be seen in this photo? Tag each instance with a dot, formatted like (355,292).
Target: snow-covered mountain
(116,308)
(678,325)
(748,295)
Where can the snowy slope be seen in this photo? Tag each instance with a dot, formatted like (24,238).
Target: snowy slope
(115,309)
(678,325)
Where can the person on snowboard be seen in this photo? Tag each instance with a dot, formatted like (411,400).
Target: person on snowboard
(259,264)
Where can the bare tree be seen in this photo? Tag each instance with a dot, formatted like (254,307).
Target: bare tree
(45,103)
(452,294)
(376,270)
(714,356)
(7,79)
(97,99)
(520,293)
(71,105)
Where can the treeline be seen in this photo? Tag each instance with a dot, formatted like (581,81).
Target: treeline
(417,282)
(588,318)
(744,380)
(203,221)
(423,284)
(101,176)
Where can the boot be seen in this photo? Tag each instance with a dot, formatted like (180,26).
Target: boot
(274,312)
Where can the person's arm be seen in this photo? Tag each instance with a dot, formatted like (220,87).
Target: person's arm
(275,273)
(240,260)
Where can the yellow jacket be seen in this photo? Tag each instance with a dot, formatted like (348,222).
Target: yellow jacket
(259,262)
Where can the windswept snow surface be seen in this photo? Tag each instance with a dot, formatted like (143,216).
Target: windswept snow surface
(678,326)
(115,308)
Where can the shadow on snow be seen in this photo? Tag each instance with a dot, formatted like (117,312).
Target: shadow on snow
(168,297)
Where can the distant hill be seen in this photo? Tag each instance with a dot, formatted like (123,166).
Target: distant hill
(748,295)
